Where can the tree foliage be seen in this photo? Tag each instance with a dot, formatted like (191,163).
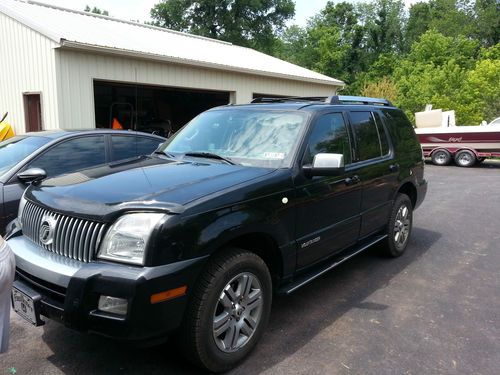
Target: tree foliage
(253,23)
(96,10)
(440,52)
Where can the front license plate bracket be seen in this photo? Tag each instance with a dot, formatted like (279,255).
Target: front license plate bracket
(26,302)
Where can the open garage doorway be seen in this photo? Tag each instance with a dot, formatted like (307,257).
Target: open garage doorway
(152,109)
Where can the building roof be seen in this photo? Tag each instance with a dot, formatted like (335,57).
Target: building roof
(75,29)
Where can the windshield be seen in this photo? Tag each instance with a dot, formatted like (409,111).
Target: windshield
(15,149)
(251,137)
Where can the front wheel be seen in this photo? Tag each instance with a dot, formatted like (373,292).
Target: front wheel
(441,157)
(399,226)
(228,311)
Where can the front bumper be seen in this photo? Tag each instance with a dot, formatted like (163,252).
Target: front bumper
(70,291)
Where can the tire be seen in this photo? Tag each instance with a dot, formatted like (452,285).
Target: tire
(441,157)
(399,227)
(216,298)
(465,158)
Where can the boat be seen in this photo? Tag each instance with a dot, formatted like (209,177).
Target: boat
(442,140)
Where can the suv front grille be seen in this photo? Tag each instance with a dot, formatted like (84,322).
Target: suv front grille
(68,236)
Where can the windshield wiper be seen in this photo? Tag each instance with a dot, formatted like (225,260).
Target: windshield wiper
(210,155)
(164,153)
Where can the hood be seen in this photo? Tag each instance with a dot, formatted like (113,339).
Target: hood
(151,182)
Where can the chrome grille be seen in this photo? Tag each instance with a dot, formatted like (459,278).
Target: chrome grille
(71,237)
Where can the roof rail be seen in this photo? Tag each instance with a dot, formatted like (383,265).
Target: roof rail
(335,99)
(344,99)
(290,99)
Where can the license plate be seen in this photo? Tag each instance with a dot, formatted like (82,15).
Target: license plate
(24,306)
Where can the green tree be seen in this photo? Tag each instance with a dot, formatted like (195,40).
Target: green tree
(434,72)
(252,23)
(487,22)
(96,10)
(384,88)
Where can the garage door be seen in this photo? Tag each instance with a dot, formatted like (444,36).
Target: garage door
(151,109)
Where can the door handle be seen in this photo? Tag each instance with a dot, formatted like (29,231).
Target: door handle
(352,180)
(394,167)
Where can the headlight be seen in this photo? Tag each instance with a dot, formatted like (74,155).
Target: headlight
(128,237)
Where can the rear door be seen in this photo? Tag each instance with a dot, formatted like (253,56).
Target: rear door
(328,207)
(376,168)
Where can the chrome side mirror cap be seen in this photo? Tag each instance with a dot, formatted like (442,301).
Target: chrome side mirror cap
(32,175)
(325,165)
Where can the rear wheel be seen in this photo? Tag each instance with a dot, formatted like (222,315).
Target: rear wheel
(229,310)
(441,157)
(399,226)
(465,158)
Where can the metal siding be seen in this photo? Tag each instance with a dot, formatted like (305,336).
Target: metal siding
(27,65)
(79,69)
(91,31)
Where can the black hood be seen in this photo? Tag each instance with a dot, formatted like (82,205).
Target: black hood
(147,183)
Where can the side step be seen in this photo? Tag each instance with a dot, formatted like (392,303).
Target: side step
(307,278)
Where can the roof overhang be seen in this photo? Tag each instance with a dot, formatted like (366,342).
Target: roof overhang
(76,46)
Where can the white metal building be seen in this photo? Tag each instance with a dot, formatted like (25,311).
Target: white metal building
(61,68)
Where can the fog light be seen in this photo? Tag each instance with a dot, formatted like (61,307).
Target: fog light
(113,305)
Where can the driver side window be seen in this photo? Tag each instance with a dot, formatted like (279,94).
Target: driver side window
(329,135)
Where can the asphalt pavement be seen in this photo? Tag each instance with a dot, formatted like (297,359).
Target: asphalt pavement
(435,310)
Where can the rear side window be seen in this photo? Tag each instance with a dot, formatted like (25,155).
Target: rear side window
(124,147)
(366,136)
(329,135)
(70,156)
(146,146)
(384,142)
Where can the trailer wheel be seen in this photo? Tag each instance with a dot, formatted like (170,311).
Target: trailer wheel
(465,158)
(441,157)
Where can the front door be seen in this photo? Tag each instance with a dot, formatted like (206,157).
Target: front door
(328,207)
(33,112)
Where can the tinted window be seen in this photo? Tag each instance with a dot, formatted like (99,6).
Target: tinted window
(72,155)
(15,149)
(384,143)
(401,130)
(146,146)
(124,147)
(366,135)
(329,135)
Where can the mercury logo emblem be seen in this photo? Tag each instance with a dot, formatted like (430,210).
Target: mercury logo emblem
(47,228)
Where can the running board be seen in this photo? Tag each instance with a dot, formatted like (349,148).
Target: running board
(307,278)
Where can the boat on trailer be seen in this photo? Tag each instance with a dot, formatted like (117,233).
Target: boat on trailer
(444,141)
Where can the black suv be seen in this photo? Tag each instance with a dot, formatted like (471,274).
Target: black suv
(243,202)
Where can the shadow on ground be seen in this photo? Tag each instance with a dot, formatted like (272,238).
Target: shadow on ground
(295,320)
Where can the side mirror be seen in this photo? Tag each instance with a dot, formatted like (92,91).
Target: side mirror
(325,165)
(32,175)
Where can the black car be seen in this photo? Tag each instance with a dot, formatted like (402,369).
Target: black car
(243,202)
(59,152)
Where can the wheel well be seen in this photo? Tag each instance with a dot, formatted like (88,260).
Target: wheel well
(265,247)
(410,191)
(440,149)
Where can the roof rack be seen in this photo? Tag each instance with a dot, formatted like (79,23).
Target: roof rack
(335,99)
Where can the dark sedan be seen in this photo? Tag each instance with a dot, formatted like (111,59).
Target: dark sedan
(59,152)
